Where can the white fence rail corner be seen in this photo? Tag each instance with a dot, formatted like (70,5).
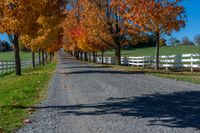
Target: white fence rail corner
(171,61)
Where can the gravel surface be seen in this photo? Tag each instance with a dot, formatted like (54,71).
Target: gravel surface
(91,99)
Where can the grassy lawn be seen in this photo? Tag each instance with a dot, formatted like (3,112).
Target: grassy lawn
(9,56)
(183,75)
(26,90)
(163,51)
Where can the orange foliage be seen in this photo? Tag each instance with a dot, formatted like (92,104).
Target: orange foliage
(36,22)
(88,31)
(158,17)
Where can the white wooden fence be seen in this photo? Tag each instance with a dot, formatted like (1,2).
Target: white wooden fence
(176,61)
(9,66)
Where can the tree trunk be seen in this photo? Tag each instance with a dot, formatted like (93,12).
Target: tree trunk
(78,56)
(50,56)
(33,59)
(17,55)
(102,56)
(157,51)
(117,53)
(94,57)
(85,56)
(70,53)
(39,56)
(46,57)
(89,57)
(81,53)
(42,57)
(75,54)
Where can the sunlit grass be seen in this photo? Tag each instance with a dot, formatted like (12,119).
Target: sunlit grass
(25,90)
(9,56)
(179,75)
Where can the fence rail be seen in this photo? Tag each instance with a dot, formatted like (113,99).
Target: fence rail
(9,66)
(176,61)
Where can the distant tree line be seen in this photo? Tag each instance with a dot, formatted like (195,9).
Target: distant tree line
(150,41)
(5,46)
(173,41)
(185,41)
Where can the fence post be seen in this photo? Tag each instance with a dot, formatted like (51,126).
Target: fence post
(43,62)
(39,56)
(6,67)
(192,69)
(143,61)
(149,58)
(9,68)
(46,57)
(3,68)
(166,62)
(178,58)
(131,60)
(13,65)
(33,59)
(0,68)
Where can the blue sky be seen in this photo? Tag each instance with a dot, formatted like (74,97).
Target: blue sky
(193,20)
(4,37)
(192,25)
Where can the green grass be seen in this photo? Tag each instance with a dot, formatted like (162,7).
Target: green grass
(9,56)
(184,49)
(17,91)
(181,75)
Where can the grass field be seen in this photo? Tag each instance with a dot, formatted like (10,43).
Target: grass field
(163,51)
(15,93)
(181,75)
(9,56)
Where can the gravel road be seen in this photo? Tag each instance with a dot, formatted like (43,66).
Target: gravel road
(92,99)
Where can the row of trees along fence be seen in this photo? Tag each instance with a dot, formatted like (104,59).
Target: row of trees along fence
(99,25)
(191,61)
(33,23)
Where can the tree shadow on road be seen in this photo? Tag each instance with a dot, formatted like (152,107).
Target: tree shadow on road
(86,66)
(178,110)
(103,72)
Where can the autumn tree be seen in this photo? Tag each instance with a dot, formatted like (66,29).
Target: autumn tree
(174,41)
(162,42)
(98,37)
(17,18)
(186,41)
(32,19)
(85,28)
(157,17)
(116,29)
(197,39)
(69,26)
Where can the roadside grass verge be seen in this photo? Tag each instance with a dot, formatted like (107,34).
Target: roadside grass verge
(179,75)
(22,91)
